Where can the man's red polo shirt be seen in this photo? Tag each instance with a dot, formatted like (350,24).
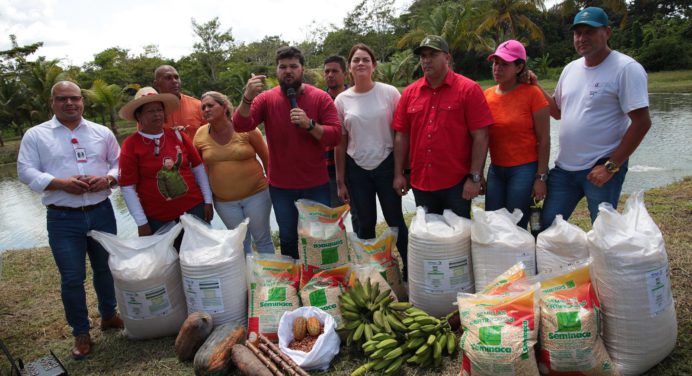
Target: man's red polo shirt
(438,122)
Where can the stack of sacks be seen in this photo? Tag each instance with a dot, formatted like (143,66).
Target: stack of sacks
(497,243)
(630,270)
(559,246)
(148,285)
(439,261)
(213,267)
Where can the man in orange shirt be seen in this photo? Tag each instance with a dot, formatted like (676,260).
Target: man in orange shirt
(189,114)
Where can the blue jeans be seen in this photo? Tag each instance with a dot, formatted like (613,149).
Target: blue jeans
(155,224)
(69,243)
(363,186)
(449,198)
(257,207)
(510,188)
(286,212)
(566,189)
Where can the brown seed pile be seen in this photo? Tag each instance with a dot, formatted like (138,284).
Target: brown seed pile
(305,344)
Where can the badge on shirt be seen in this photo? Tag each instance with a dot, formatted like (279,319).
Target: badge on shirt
(80,154)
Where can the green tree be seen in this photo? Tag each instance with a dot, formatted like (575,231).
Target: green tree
(107,99)
(506,19)
(399,70)
(213,48)
(15,100)
(39,76)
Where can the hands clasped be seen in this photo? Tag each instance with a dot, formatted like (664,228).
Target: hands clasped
(80,184)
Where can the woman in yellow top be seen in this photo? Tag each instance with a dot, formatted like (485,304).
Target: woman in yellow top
(236,177)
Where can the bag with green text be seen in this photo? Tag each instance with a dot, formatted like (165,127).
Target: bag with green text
(322,289)
(500,332)
(272,289)
(322,235)
(570,330)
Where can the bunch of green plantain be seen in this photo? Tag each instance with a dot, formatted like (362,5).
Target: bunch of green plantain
(393,333)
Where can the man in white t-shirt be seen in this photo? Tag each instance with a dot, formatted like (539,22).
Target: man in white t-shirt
(603,104)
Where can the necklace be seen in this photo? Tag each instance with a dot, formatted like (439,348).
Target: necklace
(157,141)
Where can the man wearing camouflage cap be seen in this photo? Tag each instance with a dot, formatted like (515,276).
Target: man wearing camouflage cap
(441,125)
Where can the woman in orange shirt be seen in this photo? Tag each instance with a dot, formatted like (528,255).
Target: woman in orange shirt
(236,177)
(519,137)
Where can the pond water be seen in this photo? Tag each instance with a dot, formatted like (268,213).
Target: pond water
(663,157)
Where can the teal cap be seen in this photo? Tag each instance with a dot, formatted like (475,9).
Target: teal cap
(591,16)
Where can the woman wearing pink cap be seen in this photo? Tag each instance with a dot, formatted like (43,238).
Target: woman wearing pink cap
(520,136)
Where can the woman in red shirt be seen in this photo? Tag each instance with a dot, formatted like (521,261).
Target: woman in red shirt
(519,137)
(161,173)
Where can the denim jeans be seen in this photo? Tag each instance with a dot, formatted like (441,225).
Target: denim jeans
(286,213)
(363,186)
(510,188)
(566,189)
(257,207)
(449,198)
(155,224)
(69,243)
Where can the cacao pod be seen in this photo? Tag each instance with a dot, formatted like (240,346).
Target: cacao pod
(299,328)
(314,326)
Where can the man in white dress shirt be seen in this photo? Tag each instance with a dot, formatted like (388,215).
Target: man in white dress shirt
(74,163)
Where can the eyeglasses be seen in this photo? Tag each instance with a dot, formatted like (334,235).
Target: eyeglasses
(157,146)
(63,99)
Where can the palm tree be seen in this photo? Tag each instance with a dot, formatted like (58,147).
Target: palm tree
(107,97)
(399,70)
(39,78)
(568,8)
(453,21)
(504,19)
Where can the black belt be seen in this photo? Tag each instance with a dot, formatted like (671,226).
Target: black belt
(78,208)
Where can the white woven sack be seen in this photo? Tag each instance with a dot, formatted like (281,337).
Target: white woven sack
(147,281)
(439,261)
(630,271)
(497,243)
(213,266)
(325,348)
(560,246)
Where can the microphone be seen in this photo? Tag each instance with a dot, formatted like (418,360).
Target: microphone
(291,94)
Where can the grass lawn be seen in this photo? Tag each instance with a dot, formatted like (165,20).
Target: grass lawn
(32,320)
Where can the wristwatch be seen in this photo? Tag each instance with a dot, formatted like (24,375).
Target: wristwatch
(312,126)
(611,167)
(542,177)
(111,181)
(475,177)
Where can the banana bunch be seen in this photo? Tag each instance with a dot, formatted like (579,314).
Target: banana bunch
(392,334)
(428,337)
(358,308)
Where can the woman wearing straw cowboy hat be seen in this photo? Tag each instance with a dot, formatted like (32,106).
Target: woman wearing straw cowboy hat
(161,173)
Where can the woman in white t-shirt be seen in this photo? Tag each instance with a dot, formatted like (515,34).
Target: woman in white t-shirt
(365,158)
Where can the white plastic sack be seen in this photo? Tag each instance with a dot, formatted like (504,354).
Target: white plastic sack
(439,261)
(148,285)
(630,270)
(213,267)
(559,246)
(325,348)
(497,243)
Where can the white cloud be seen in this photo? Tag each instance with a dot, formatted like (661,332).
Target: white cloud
(75,30)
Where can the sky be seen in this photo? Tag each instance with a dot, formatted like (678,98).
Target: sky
(74,30)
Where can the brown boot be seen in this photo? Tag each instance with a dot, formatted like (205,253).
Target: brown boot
(114,322)
(82,346)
